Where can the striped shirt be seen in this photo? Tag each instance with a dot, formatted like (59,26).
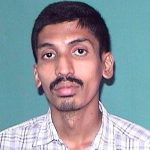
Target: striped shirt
(40,134)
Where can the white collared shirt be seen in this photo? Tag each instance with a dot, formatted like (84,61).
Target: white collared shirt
(40,134)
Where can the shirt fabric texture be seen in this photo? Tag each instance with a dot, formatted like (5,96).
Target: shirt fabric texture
(40,134)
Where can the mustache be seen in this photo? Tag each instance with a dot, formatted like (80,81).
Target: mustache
(65,78)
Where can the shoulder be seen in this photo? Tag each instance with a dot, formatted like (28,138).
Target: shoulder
(24,132)
(31,124)
(129,130)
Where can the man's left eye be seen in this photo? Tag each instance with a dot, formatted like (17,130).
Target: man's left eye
(80,52)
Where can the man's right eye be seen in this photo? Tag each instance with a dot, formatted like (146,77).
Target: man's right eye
(48,55)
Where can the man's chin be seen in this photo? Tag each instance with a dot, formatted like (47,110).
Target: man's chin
(68,106)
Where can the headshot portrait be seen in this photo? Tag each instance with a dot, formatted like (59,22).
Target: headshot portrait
(74,75)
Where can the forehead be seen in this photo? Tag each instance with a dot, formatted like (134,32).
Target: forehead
(71,26)
(65,32)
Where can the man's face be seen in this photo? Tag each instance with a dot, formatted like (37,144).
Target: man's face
(69,67)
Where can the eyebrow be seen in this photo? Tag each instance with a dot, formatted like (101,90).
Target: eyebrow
(45,45)
(79,40)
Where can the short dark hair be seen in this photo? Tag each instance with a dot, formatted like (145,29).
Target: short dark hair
(62,11)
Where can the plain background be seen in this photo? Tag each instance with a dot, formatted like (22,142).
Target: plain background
(128,96)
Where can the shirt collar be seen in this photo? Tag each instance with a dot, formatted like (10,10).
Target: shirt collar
(47,132)
(105,134)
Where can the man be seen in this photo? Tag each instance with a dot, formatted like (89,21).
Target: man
(71,46)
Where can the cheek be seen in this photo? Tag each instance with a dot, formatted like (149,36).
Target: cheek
(45,76)
(91,70)
(91,74)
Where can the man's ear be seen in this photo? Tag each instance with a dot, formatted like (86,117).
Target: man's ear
(108,65)
(36,76)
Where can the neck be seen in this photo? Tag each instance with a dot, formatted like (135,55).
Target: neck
(78,127)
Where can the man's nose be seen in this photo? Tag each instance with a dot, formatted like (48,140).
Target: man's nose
(64,66)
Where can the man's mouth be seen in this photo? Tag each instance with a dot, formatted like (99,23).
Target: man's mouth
(65,79)
(66,89)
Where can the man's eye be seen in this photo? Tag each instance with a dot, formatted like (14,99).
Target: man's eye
(49,56)
(80,52)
